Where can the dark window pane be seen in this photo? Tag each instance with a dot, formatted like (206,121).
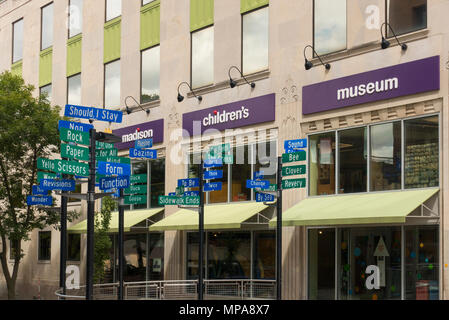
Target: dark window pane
(192,255)
(241,171)
(265,255)
(77,190)
(46,92)
(150,74)
(330,26)
(322,164)
(255,41)
(352,160)
(112,84)
(385,160)
(113,9)
(47,27)
(203,57)
(76,17)
(135,257)
(156,256)
(141,168)
(157,178)
(17,54)
(74,247)
(406,16)
(421,152)
(44,251)
(74,90)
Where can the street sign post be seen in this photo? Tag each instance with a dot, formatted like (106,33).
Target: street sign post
(119,169)
(136,199)
(294,170)
(75,126)
(214,162)
(136,189)
(213,174)
(293,183)
(104,153)
(295,144)
(38,191)
(143,153)
(293,157)
(39,200)
(119,182)
(138,178)
(264,197)
(263,184)
(60,185)
(78,137)
(213,186)
(74,152)
(143,143)
(189,183)
(93,113)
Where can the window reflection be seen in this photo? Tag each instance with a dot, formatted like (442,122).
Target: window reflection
(264,255)
(322,164)
(255,41)
(157,178)
(47,27)
(330,26)
(406,16)
(150,74)
(112,84)
(75,17)
(352,159)
(45,92)
(203,57)
(74,90)
(241,171)
(17,54)
(44,252)
(74,247)
(113,9)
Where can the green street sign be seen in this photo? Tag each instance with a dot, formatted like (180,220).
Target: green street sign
(293,170)
(182,201)
(72,167)
(74,152)
(294,183)
(113,160)
(136,189)
(103,145)
(228,159)
(44,175)
(190,201)
(138,178)
(217,150)
(273,187)
(104,153)
(78,137)
(136,199)
(293,157)
(46,164)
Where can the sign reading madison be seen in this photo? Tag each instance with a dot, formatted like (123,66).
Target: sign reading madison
(381,84)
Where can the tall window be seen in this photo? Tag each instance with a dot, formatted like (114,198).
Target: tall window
(150,74)
(75,17)
(17,44)
(203,57)
(74,89)
(322,164)
(157,181)
(74,247)
(47,26)
(44,250)
(144,2)
(406,16)
(46,91)
(255,41)
(329,26)
(113,9)
(112,84)
(241,171)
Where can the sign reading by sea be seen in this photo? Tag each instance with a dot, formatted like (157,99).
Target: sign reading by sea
(93,113)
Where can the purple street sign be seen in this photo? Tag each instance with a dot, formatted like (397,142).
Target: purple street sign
(381,84)
(147,130)
(232,115)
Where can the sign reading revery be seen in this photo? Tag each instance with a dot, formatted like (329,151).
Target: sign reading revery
(381,84)
(232,115)
(152,129)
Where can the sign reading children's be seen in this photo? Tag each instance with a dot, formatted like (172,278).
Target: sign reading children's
(93,113)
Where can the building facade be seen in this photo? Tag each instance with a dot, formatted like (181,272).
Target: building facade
(375,122)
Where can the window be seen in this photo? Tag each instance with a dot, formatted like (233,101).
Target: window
(45,92)
(17,44)
(266,161)
(75,17)
(144,2)
(329,26)
(255,41)
(47,26)
(150,74)
(157,181)
(202,57)
(141,168)
(113,9)
(74,90)
(12,249)
(193,242)
(112,84)
(241,171)
(74,247)
(322,164)
(406,16)
(44,250)
(264,264)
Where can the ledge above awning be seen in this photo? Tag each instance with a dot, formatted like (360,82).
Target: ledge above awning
(367,208)
(131,218)
(220,216)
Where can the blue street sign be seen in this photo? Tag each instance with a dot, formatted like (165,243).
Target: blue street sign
(117,169)
(258,175)
(216,174)
(62,185)
(189,183)
(213,186)
(295,144)
(264,184)
(38,191)
(93,113)
(190,194)
(143,143)
(39,200)
(120,182)
(210,163)
(84,127)
(142,153)
(172,194)
(264,197)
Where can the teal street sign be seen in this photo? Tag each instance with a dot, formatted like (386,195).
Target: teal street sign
(293,183)
(71,167)
(271,187)
(178,201)
(74,152)
(122,160)
(46,164)
(44,175)
(293,157)
(138,178)
(293,170)
(78,137)
(136,199)
(136,189)
(103,145)
(104,153)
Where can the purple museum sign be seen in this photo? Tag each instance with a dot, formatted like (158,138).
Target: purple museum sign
(386,83)
(232,115)
(152,129)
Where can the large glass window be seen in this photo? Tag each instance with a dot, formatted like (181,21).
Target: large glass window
(155,256)
(141,168)
(241,171)
(45,92)
(203,57)
(352,160)
(385,161)
(150,74)
(75,17)
(74,90)
(193,241)
(135,257)
(421,152)
(44,250)
(113,9)
(255,41)
(406,16)
(74,247)
(47,26)
(222,195)
(112,84)
(157,178)
(264,264)
(322,164)
(17,44)
(329,26)
(266,160)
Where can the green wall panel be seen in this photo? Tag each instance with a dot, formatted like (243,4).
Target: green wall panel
(74,55)
(150,21)
(201,14)
(16,68)
(112,37)
(45,66)
(248,5)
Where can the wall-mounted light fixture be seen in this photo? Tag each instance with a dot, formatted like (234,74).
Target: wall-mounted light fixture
(385,43)
(180,97)
(128,110)
(233,83)
(308,64)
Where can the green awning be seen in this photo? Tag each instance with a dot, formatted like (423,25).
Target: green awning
(367,208)
(221,216)
(131,218)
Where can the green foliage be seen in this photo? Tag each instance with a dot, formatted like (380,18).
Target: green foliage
(102,241)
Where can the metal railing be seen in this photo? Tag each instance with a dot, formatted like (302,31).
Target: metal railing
(225,289)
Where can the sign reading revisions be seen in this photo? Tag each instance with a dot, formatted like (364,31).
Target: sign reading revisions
(381,84)
(147,130)
(232,115)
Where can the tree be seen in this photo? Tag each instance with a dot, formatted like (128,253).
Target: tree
(28,130)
